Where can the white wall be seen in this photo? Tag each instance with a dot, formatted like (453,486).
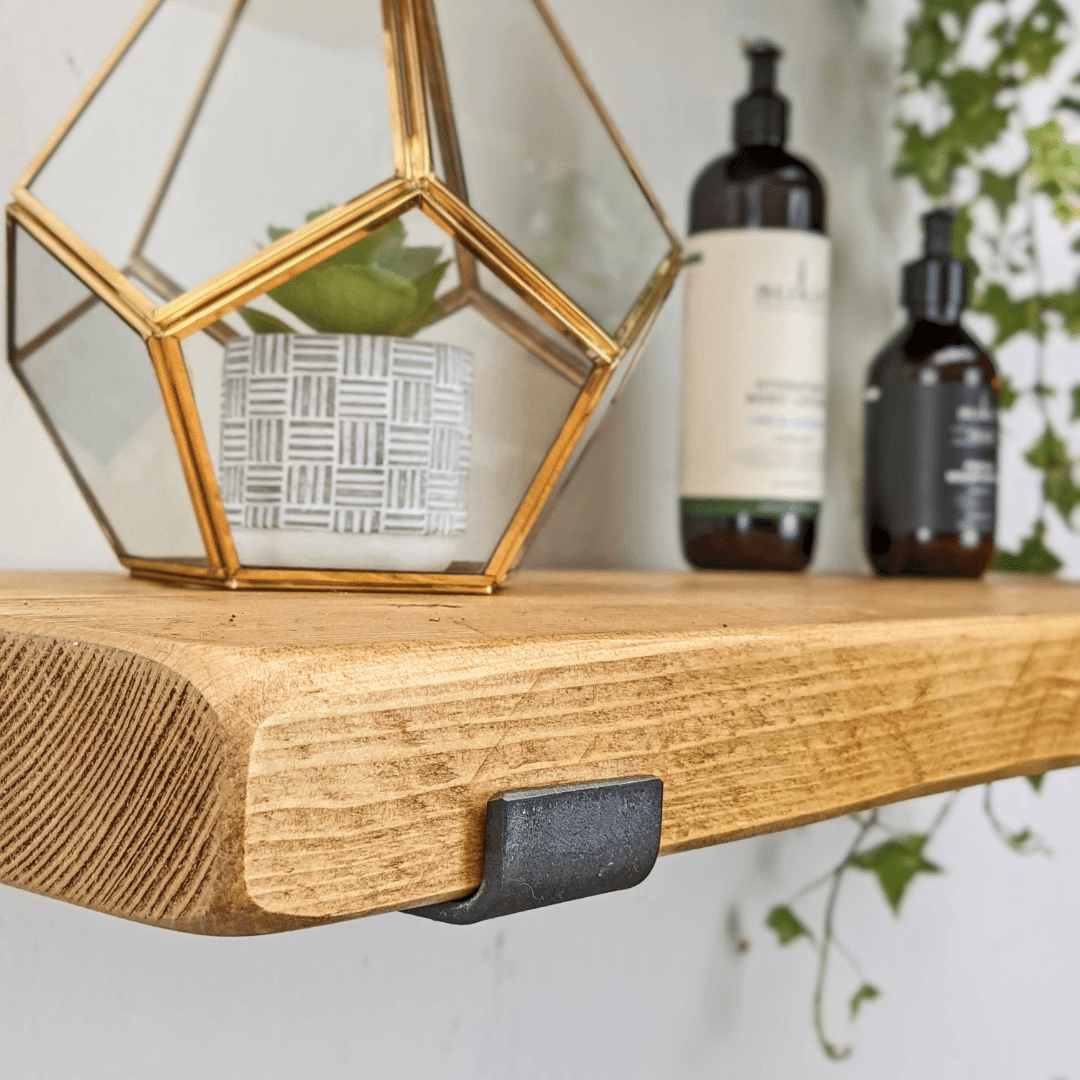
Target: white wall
(979,974)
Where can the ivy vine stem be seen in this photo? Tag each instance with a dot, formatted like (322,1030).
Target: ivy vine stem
(1023,841)
(895,862)
(837,876)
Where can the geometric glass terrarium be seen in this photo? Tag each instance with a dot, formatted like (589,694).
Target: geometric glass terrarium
(331,293)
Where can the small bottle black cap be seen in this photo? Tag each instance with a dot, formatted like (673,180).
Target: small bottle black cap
(761,116)
(936,286)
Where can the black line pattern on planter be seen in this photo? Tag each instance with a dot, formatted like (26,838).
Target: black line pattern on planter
(346,433)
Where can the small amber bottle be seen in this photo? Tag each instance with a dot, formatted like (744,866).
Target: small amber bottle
(931,428)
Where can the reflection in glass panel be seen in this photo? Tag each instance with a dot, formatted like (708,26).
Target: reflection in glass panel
(46,294)
(296,120)
(339,446)
(539,164)
(94,380)
(101,179)
(516,317)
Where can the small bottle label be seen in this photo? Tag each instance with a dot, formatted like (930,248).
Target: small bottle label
(931,457)
(755,357)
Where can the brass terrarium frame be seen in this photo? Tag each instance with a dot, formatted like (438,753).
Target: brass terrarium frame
(419,102)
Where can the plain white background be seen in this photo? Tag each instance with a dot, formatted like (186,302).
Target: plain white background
(678,978)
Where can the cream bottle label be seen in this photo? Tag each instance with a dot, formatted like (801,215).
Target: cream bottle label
(755,355)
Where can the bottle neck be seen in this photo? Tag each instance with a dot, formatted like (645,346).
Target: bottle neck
(760,120)
(935,289)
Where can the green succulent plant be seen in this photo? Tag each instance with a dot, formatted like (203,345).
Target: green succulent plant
(378,285)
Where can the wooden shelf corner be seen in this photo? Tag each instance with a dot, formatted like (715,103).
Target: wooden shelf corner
(242,763)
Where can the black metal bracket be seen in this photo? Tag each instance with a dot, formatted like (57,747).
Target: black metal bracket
(550,845)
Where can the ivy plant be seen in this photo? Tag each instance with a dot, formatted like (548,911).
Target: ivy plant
(379,285)
(1008,173)
(896,860)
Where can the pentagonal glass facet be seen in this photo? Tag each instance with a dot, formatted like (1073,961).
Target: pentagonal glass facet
(47,297)
(538,162)
(363,416)
(102,177)
(222,118)
(608,398)
(92,377)
(296,120)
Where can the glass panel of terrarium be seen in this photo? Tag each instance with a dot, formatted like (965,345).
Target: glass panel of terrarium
(539,163)
(296,120)
(101,178)
(512,312)
(379,442)
(94,381)
(607,400)
(47,297)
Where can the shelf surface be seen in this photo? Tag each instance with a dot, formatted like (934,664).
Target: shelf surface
(241,763)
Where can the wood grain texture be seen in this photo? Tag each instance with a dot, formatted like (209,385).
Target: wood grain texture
(110,779)
(244,763)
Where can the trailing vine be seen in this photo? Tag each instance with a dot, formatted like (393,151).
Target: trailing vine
(980,133)
(895,859)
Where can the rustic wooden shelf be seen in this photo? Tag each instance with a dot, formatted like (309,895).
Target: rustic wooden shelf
(240,763)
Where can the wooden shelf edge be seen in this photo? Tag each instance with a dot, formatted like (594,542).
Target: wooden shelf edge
(246,763)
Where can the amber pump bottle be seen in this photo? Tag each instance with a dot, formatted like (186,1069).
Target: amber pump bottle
(931,428)
(757,284)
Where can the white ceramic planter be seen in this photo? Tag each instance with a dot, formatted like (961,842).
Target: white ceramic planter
(346,433)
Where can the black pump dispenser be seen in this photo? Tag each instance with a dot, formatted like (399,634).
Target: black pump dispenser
(935,286)
(761,116)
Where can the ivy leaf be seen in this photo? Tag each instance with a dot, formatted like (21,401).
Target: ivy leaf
(1059,488)
(1012,316)
(1019,841)
(1049,452)
(895,863)
(261,323)
(865,993)
(1034,557)
(1035,41)
(962,9)
(931,159)
(787,925)
(1006,394)
(1036,781)
(1068,304)
(963,227)
(1055,168)
(1076,403)
(1000,189)
(927,48)
(977,121)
